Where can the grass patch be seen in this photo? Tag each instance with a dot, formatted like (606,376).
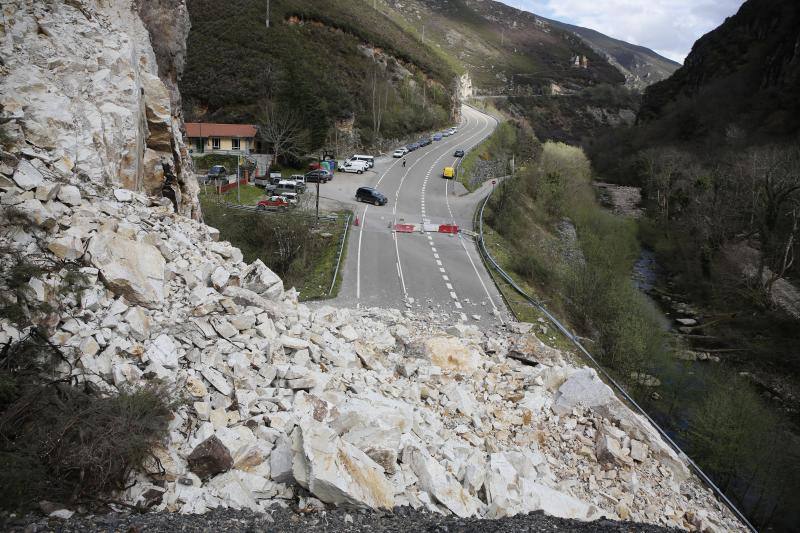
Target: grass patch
(301,253)
(248,195)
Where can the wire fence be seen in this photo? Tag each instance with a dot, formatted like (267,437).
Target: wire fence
(487,257)
(341,251)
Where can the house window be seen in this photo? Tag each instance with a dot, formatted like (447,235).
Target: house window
(215,143)
(235,144)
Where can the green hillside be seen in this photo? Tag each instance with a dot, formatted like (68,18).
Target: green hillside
(321,61)
(504,49)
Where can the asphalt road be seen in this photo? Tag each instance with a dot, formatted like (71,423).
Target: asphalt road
(425,272)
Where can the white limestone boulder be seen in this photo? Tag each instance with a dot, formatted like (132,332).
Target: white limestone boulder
(130,268)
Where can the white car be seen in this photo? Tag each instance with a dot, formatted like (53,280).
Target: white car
(290,197)
(357,167)
(400,152)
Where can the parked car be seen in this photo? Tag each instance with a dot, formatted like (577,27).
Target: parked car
(425,141)
(371,196)
(370,160)
(437,136)
(458,153)
(273,203)
(285,186)
(300,180)
(357,167)
(217,173)
(291,197)
(400,152)
(266,181)
(413,146)
(449,172)
(317,176)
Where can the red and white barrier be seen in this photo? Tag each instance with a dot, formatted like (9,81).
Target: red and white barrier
(452,229)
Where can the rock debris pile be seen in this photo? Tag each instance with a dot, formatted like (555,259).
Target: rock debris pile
(286,404)
(372,408)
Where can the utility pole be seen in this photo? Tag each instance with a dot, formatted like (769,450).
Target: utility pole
(238,178)
(319,178)
(502,37)
(423,33)
(267,13)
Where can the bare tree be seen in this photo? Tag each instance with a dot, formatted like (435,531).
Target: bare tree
(281,128)
(775,178)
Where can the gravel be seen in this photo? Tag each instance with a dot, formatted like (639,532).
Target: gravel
(283,519)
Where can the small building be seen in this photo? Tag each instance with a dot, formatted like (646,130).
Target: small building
(210,137)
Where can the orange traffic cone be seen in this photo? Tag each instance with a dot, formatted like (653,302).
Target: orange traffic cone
(356,222)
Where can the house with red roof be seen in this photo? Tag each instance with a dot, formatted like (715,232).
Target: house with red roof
(205,137)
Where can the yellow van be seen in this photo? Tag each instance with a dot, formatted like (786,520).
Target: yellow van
(449,172)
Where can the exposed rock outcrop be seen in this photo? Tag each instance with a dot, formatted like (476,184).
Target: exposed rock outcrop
(81,94)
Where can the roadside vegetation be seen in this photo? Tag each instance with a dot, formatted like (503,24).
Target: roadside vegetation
(510,143)
(578,256)
(550,232)
(301,252)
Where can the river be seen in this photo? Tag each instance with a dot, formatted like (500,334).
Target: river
(689,378)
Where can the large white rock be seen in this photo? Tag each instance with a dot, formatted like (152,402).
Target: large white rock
(582,387)
(441,484)
(337,472)
(163,352)
(67,247)
(26,176)
(261,280)
(512,487)
(130,268)
(70,195)
(451,353)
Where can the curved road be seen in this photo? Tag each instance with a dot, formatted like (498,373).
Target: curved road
(421,271)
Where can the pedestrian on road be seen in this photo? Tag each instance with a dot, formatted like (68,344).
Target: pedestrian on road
(404,162)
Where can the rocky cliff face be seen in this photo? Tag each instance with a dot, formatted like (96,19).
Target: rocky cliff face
(82,100)
(744,75)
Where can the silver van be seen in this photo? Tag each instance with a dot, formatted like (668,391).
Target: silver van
(370,160)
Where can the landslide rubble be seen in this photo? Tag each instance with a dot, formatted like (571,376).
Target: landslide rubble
(286,405)
(368,408)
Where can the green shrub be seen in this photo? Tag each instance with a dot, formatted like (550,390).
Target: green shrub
(66,441)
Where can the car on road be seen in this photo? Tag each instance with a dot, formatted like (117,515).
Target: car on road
(437,136)
(425,141)
(413,146)
(458,153)
(317,176)
(357,167)
(371,196)
(449,172)
(452,131)
(400,152)
(273,203)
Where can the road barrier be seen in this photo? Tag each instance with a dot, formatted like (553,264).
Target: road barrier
(489,260)
(405,228)
(448,228)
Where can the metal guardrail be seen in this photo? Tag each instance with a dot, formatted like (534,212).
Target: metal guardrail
(574,339)
(341,251)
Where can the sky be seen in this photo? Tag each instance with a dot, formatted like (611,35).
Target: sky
(669,27)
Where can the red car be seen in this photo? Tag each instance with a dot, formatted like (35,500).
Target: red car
(273,202)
